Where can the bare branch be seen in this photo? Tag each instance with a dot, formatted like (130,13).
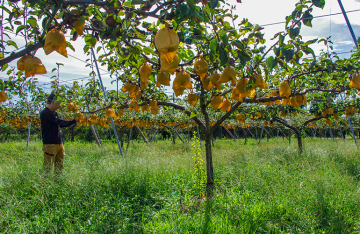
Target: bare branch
(182,108)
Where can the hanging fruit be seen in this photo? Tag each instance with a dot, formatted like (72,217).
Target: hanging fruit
(284,89)
(155,111)
(163,79)
(3,96)
(134,91)
(214,79)
(355,81)
(145,108)
(250,93)
(55,41)
(192,98)
(153,104)
(134,106)
(109,113)
(127,86)
(145,72)
(216,102)
(78,24)
(121,112)
(241,85)
(167,42)
(179,91)
(259,82)
(207,85)
(235,95)
(33,66)
(138,95)
(182,80)
(169,67)
(229,74)
(21,62)
(226,105)
(201,67)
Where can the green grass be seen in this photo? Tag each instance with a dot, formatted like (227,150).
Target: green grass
(266,188)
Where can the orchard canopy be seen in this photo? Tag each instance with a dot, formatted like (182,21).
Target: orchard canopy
(216,64)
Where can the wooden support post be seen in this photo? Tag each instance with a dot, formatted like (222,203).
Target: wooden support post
(95,136)
(342,136)
(142,135)
(98,135)
(173,130)
(227,130)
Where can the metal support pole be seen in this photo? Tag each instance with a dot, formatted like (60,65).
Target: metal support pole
(262,130)
(236,134)
(277,134)
(352,131)
(154,135)
(102,86)
(342,136)
(97,133)
(251,133)
(331,134)
(348,24)
(197,126)
(28,138)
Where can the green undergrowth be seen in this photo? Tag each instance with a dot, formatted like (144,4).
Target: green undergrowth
(266,188)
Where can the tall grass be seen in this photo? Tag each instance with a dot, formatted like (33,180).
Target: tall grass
(266,188)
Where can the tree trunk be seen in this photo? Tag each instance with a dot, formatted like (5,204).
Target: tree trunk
(209,163)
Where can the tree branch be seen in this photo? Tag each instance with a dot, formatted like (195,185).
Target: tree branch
(224,117)
(21,53)
(182,108)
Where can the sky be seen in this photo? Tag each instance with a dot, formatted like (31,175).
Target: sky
(262,12)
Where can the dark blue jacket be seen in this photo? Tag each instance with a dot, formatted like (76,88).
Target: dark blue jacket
(50,126)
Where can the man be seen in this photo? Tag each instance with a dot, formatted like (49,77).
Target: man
(52,142)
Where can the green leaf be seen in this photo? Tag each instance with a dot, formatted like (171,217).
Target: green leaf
(294,32)
(281,40)
(307,18)
(271,63)
(68,44)
(224,57)
(4,67)
(32,23)
(136,2)
(213,46)
(127,4)
(148,50)
(191,4)
(310,42)
(18,29)
(12,43)
(244,57)
(54,69)
(319,3)
(288,54)
(90,40)
(192,115)
(214,3)
(225,39)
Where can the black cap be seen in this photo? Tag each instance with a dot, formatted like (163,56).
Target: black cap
(51,98)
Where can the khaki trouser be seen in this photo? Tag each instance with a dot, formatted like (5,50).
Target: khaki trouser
(54,154)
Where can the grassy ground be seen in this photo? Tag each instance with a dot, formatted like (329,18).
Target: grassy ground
(266,188)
